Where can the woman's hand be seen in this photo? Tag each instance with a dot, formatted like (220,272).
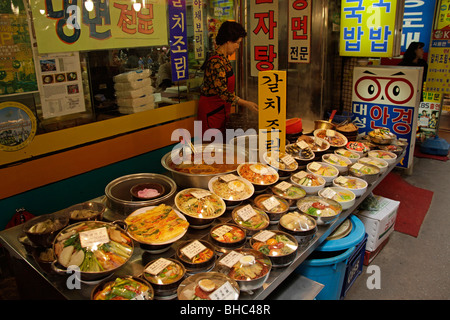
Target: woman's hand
(248,104)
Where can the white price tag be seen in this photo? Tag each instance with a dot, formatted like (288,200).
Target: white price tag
(193,249)
(328,193)
(314,166)
(318,141)
(331,133)
(302,144)
(229,177)
(271,203)
(93,238)
(288,160)
(231,259)
(156,267)
(220,231)
(264,235)
(333,158)
(224,292)
(341,180)
(246,212)
(357,166)
(200,193)
(301,174)
(283,186)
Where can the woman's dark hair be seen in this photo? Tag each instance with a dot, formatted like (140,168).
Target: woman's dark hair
(410,53)
(230,31)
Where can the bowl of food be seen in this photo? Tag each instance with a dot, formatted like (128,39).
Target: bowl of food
(248,267)
(208,286)
(123,288)
(283,162)
(339,162)
(392,148)
(344,196)
(227,236)
(351,155)
(279,246)
(97,248)
(273,205)
(147,191)
(323,210)
(289,192)
(356,185)
(366,172)
(231,188)
(301,226)
(196,255)
(334,138)
(44,257)
(215,159)
(359,147)
(382,136)
(156,228)
(259,174)
(309,182)
(201,207)
(165,275)
(86,211)
(250,218)
(380,163)
(349,130)
(389,157)
(27,244)
(301,153)
(41,230)
(323,169)
(317,145)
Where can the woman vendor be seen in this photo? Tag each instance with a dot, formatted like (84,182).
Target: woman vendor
(218,90)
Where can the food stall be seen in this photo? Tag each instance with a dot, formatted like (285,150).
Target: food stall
(218,226)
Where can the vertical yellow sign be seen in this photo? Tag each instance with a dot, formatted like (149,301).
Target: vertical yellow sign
(272,110)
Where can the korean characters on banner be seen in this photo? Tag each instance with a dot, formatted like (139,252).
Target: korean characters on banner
(67,26)
(299,31)
(178,40)
(368,28)
(263,23)
(388,97)
(438,75)
(272,111)
(417,23)
(199,48)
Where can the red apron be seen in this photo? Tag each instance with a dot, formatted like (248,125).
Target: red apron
(212,110)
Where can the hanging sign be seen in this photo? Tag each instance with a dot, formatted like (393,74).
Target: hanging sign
(299,31)
(417,23)
(199,46)
(438,75)
(368,28)
(263,36)
(17,126)
(272,110)
(388,97)
(63,26)
(178,40)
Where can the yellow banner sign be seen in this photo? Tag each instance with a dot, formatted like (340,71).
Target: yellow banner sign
(62,26)
(368,28)
(272,110)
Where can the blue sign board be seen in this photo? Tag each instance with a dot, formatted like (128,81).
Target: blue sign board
(417,23)
(178,40)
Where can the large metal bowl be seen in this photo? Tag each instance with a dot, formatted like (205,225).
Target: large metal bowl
(120,201)
(192,180)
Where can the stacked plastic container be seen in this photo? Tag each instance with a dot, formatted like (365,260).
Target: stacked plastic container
(134,91)
(337,263)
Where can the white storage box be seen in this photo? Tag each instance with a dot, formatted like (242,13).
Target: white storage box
(380,223)
(131,76)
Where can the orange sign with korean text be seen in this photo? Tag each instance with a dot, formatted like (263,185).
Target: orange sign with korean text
(95,25)
(272,110)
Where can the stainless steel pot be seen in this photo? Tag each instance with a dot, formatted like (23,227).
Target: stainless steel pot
(190,180)
(120,200)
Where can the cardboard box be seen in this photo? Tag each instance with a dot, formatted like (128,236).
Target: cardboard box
(370,255)
(380,223)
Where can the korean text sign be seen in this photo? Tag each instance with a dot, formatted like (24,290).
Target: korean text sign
(263,35)
(272,110)
(63,26)
(299,31)
(367,28)
(388,97)
(199,47)
(417,23)
(178,40)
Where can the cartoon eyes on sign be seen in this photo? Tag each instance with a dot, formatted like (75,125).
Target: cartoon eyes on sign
(394,89)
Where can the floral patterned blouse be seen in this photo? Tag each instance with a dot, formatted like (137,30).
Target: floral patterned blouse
(217,70)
